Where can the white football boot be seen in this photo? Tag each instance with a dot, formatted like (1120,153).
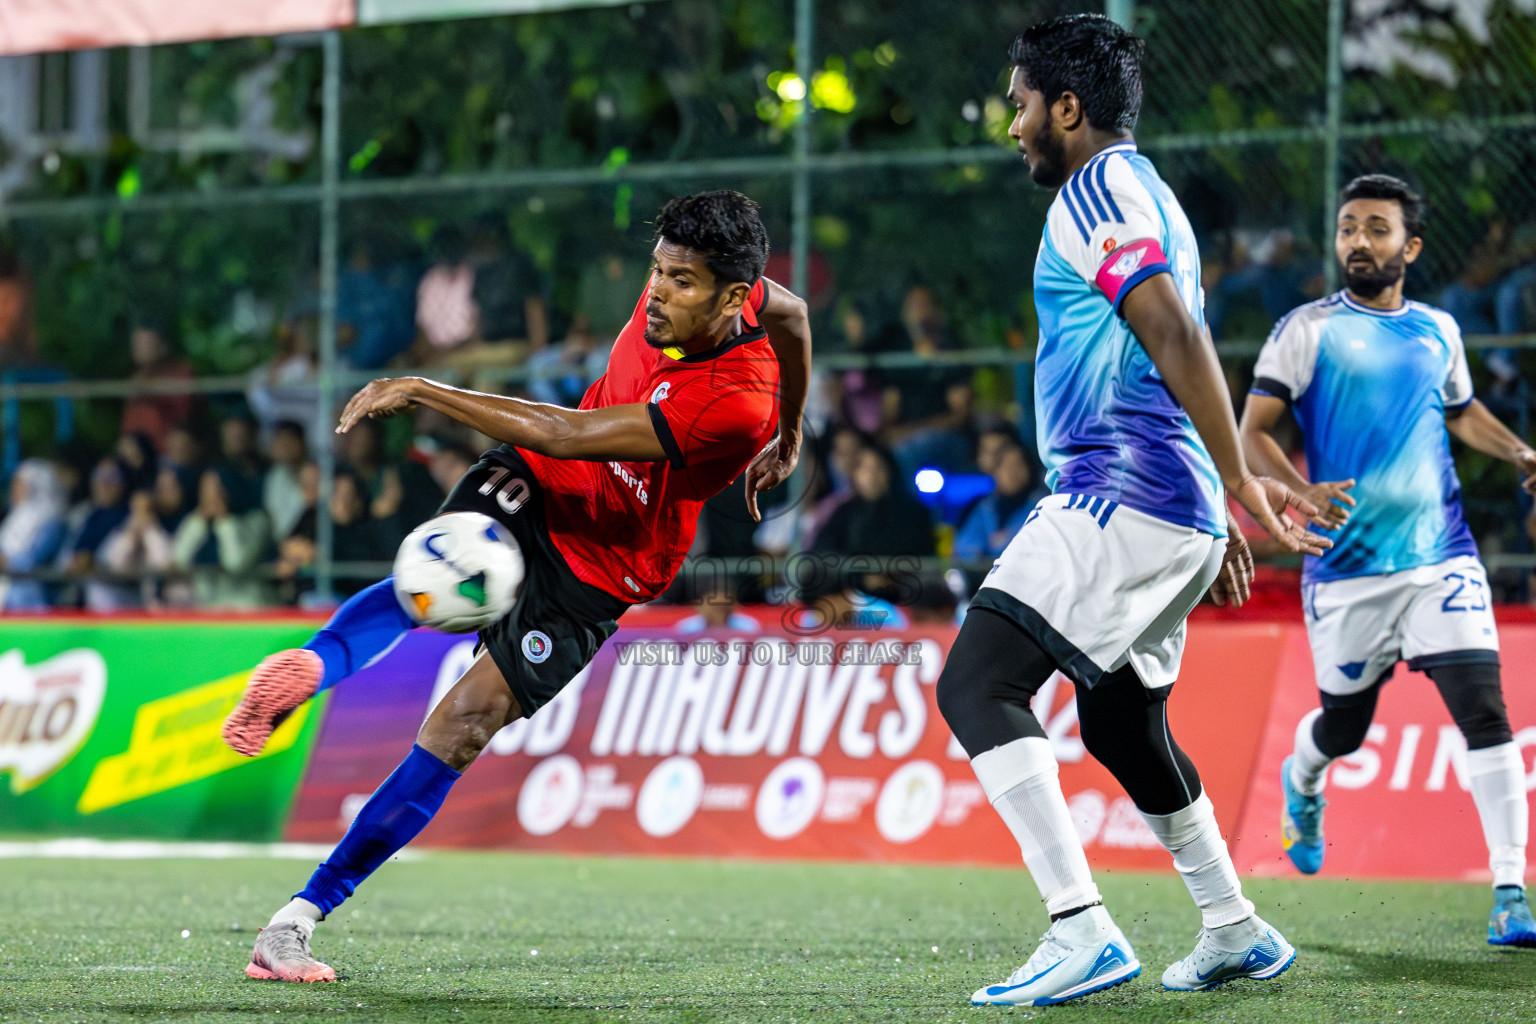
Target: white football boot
(1078,955)
(1266,956)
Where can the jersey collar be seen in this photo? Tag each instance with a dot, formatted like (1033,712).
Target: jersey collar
(754,334)
(1372,310)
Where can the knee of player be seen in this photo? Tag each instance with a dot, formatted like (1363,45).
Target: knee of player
(1340,731)
(1483,720)
(956,694)
(458,730)
(1475,698)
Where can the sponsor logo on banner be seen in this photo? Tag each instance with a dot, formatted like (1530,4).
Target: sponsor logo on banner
(550,795)
(47,711)
(789,798)
(1088,809)
(1113,824)
(175,741)
(670,796)
(910,801)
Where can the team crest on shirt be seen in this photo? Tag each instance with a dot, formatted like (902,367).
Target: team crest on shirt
(661,391)
(537,646)
(1126,265)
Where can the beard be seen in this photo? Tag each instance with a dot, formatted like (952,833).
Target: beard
(1049,168)
(1370,283)
(651,339)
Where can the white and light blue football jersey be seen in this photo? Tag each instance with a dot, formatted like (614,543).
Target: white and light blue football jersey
(1370,389)
(1108,425)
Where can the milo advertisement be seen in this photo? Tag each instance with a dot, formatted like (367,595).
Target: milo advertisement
(112,729)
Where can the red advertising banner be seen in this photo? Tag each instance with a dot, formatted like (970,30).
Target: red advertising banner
(767,747)
(1400,806)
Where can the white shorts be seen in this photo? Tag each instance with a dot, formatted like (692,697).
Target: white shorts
(1433,615)
(1100,586)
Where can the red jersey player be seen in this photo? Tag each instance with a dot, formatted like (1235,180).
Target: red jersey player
(603,500)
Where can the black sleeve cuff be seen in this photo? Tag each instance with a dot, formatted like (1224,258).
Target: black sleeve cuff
(1453,411)
(1273,388)
(664,435)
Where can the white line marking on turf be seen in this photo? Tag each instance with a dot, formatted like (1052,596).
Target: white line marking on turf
(138,849)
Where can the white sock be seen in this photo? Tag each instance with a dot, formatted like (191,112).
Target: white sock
(1497,775)
(1201,857)
(1309,766)
(297,910)
(1021,781)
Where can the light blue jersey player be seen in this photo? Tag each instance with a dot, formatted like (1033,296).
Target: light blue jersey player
(1376,384)
(1137,433)
(1108,425)
(1371,390)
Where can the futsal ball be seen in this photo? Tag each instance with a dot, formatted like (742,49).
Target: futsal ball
(459,572)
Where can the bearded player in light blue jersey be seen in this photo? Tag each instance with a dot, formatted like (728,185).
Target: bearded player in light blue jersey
(1376,382)
(1137,433)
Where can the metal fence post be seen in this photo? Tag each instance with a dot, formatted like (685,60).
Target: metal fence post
(324,435)
(1334,117)
(800,194)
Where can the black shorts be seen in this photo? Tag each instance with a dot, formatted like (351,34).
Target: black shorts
(559,622)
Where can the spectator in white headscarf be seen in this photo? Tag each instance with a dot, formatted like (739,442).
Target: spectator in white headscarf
(31,532)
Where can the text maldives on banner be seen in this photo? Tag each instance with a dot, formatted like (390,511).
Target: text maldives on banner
(761,747)
(112,729)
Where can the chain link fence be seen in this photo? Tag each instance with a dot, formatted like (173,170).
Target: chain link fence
(280,199)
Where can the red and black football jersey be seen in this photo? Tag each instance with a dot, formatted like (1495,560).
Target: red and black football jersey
(625,526)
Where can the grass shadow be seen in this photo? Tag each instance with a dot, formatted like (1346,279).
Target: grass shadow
(1497,971)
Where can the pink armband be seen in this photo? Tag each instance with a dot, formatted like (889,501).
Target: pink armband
(1129,266)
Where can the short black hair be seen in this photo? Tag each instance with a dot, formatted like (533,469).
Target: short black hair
(293,427)
(724,227)
(1089,56)
(1384,186)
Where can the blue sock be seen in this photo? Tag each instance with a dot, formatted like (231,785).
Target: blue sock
(367,625)
(392,817)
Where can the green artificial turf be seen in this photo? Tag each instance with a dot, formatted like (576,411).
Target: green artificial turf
(451,938)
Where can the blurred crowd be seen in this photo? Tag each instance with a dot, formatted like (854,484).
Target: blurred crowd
(211,501)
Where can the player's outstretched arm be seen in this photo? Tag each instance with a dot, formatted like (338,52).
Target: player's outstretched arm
(785,318)
(622,433)
(1476,427)
(1261,414)
(1186,360)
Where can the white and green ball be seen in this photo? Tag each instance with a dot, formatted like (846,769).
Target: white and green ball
(459,572)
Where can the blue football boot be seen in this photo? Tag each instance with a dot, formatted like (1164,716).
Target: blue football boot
(1301,825)
(1510,923)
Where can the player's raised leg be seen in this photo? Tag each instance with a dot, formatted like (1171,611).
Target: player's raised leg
(1354,627)
(453,735)
(1125,727)
(1323,735)
(362,629)
(992,671)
